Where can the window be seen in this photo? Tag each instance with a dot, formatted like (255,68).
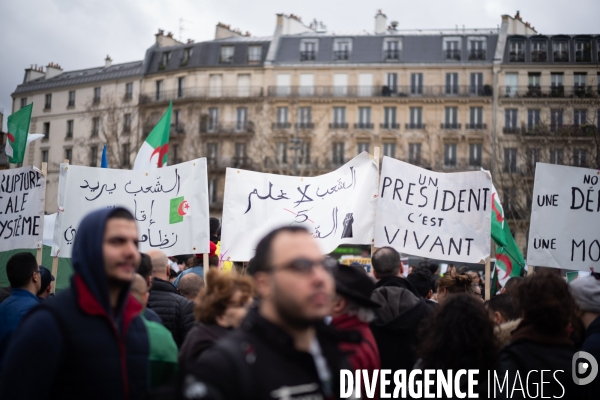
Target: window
(452,83)
(282,117)
(68,154)
(180,87)
(477,49)
(95,126)
(125,153)
(304,155)
(414,153)
(452,49)
(340,84)
(510,160)
(159,90)
(361,147)
(23,102)
(556,120)
(391,84)
(48,102)
(476,118)
(71,99)
(451,118)
(476,86)
(214,85)
(337,153)
(516,51)
(308,50)
(212,191)
(177,121)
(365,85)
(240,155)
(281,155)
(583,51)
(556,156)
(97,92)
(389,150)
(556,84)
(46,130)
(579,158)
(127,123)
(511,81)
(307,83)
(533,157)
(342,49)
(450,155)
(510,120)
(174,154)
(339,117)
(416,83)
(212,152)
(254,54)
(475,154)
(164,60)
(70,128)
(242,118)
(533,119)
(391,50)
(187,53)
(538,51)
(579,117)
(364,118)
(243,85)
(580,79)
(389,118)
(534,79)
(213,119)
(560,51)
(305,117)
(416,121)
(45,156)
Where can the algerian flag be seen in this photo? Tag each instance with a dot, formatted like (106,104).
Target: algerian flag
(178,207)
(509,259)
(18,129)
(498,219)
(153,153)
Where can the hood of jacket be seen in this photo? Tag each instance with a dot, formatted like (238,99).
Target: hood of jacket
(88,261)
(400,309)
(504,330)
(398,281)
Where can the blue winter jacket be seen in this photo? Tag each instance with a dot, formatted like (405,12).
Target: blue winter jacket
(12,311)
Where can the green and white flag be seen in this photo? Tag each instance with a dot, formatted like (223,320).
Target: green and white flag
(18,129)
(154,150)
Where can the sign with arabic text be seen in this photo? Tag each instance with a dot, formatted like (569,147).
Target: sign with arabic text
(170,204)
(444,216)
(336,208)
(21,208)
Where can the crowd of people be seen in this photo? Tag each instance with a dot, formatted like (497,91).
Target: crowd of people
(137,325)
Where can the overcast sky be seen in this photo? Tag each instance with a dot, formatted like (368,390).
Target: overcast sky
(80,33)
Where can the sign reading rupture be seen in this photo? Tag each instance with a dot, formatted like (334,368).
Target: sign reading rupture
(21,208)
(336,208)
(170,204)
(565,218)
(434,215)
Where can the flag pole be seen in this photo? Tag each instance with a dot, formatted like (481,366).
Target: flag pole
(488,280)
(376,156)
(55,258)
(38,255)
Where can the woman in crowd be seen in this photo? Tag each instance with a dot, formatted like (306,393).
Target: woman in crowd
(221,307)
(454,283)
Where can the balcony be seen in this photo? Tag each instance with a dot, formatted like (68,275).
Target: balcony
(389,125)
(363,125)
(241,162)
(476,126)
(380,91)
(412,125)
(281,125)
(177,129)
(475,55)
(338,125)
(450,126)
(419,162)
(511,130)
(308,55)
(516,56)
(209,128)
(533,91)
(463,164)
(539,56)
(561,56)
(341,55)
(391,55)
(305,125)
(452,54)
(227,92)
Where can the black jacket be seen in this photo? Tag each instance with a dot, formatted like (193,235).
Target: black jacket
(592,346)
(397,322)
(86,349)
(176,312)
(198,339)
(259,361)
(534,351)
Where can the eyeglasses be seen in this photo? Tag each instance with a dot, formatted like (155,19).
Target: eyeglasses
(305,266)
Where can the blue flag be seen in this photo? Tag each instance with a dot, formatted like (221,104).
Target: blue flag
(104,162)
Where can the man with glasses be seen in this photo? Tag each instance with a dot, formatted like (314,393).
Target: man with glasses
(283,349)
(24,276)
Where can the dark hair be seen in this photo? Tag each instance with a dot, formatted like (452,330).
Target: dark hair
(262,259)
(459,336)
(386,262)
(505,305)
(19,269)
(544,301)
(145,268)
(422,280)
(173,273)
(218,293)
(121,213)
(512,283)
(455,282)
(214,226)
(183,258)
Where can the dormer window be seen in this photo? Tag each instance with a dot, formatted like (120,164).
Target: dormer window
(166,56)
(452,49)
(308,50)
(254,54)
(517,54)
(560,50)
(187,53)
(538,51)
(583,51)
(342,49)
(226,55)
(477,47)
(391,50)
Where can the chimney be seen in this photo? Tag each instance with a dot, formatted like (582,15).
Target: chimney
(223,31)
(380,22)
(292,25)
(107,61)
(33,72)
(53,70)
(167,40)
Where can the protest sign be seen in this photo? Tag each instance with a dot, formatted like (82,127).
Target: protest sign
(564,231)
(336,208)
(432,214)
(21,208)
(170,204)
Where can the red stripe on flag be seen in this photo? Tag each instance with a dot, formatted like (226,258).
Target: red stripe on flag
(10,137)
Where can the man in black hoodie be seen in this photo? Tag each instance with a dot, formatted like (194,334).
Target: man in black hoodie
(402,310)
(99,345)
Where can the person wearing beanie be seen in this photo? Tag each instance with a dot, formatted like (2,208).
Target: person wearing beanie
(586,293)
